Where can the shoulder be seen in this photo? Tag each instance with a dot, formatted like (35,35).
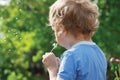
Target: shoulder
(69,53)
(75,50)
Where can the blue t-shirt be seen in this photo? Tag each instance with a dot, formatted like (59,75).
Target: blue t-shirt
(84,61)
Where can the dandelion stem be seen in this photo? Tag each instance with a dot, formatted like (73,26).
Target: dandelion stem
(54,46)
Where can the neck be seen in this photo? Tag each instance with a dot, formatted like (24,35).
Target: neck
(79,38)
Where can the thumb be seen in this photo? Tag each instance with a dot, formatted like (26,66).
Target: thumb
(58,61)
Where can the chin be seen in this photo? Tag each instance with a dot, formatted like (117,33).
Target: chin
(63,45)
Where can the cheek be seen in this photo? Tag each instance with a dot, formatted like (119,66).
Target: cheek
(56,36)
(60,40)
(57,39)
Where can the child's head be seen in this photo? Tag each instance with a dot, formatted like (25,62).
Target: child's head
(76,16)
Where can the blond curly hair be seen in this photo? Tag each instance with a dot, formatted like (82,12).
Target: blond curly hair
(77,16)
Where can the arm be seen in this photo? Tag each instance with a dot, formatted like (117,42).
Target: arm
(67,69)
(52,74)
(52,64)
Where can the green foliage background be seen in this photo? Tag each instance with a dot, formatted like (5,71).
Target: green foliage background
(25,37)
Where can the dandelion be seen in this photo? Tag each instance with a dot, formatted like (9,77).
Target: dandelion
(54,46)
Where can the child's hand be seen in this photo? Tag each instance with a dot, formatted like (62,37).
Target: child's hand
(50,61)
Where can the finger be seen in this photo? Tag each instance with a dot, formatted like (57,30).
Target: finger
(58,59)
(43,56)
(50,54)
(42,60)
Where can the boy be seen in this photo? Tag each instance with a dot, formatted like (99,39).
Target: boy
(74,23)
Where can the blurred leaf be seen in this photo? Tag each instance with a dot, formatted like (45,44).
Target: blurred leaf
(12,76)
(37,57)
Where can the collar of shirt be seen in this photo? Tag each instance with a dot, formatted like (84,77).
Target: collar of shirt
(84,42)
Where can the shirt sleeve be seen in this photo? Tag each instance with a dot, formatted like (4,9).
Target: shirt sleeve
(67,68)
